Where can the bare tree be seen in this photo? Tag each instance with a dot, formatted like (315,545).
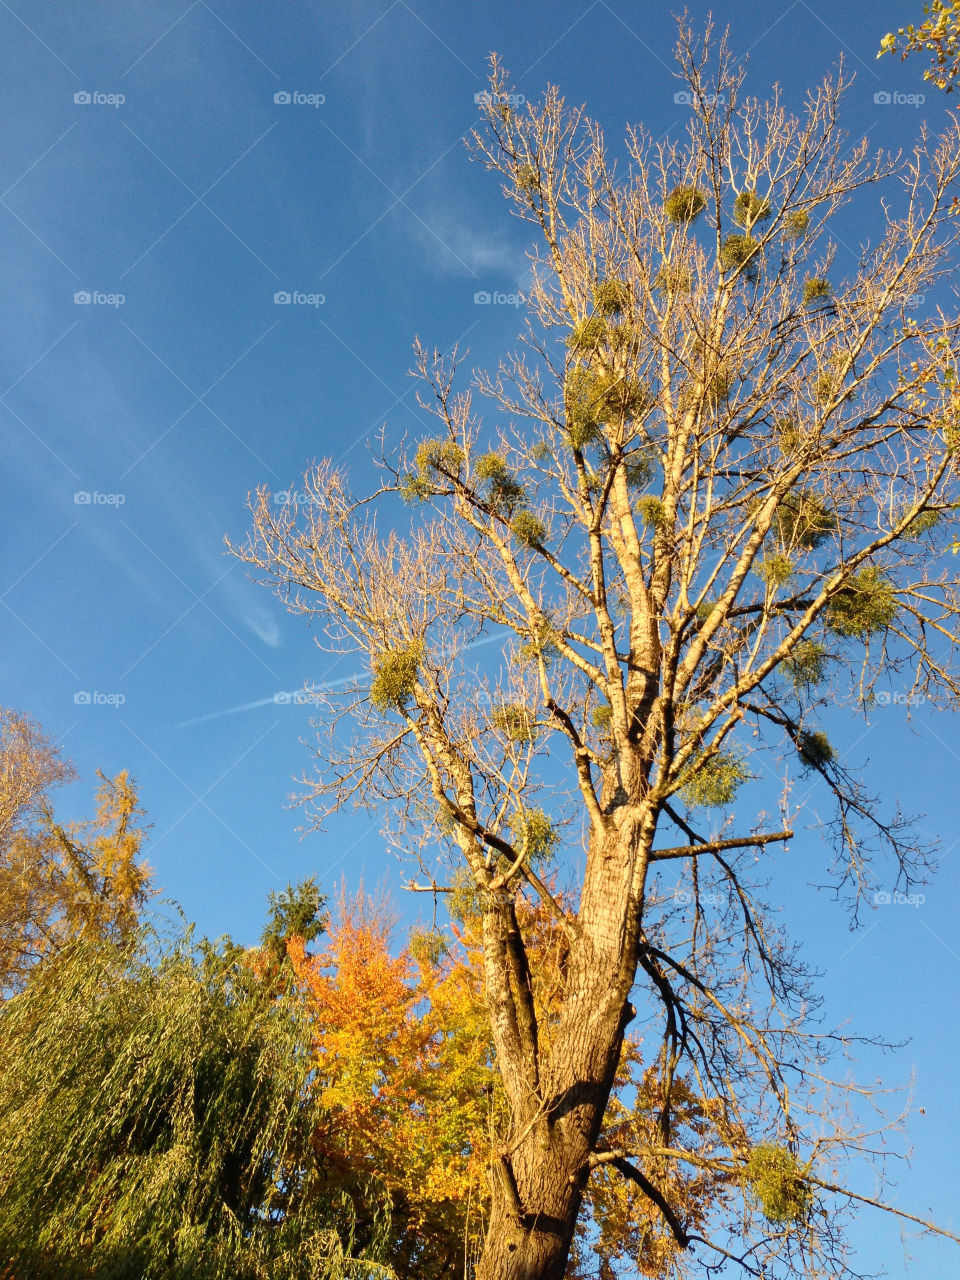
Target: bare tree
(719,491)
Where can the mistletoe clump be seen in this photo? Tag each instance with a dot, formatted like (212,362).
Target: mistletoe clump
(651,511)
(796,222)
(674,277)
(588,334)
(535,834)
(816,289)
(775,570)
(514,721)
(713,783)
(804,520)
(598,396)
(749,209)
(527,179)
(807,664)
(739,253)
(815,749)
(611,297)
(432,458)
(684,204)
(529,530)
(395,675)
(866,605)
(777,1184)
(504,492)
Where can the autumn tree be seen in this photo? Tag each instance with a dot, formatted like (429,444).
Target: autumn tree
(60,881)
(938,35)
(717,490)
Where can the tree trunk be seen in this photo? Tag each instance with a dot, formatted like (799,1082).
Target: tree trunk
(538,1185)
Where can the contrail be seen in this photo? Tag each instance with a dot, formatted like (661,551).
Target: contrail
(286,696)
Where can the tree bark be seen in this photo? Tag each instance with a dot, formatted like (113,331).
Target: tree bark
(538,1182)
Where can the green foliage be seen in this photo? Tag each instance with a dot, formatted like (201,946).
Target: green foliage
(713,783)
(541,451)
(639,469)
(804,520)
(651,511)
(395,676)
(430,457)
(298,911)
(542,644)
(156,1121)
(807,664)
(535,834)
(588,334)
(684,204)
(504,492)
(529,530)
(816,289)
(602,717)
(777,1184)
(596,396)
(611,297)
(465,902)
(796,223)
(749,209)
(921,523)
(815,749)
(789,434)
(516,722)
(740,253)
(866,605)
(674,277)
(427,946)
(527,179)
(775,570)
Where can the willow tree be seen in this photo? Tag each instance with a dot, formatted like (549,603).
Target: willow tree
(717,490)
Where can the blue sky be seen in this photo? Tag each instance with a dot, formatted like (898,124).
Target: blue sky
(181,211)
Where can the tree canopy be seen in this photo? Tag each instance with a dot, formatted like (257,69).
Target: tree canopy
(717,491)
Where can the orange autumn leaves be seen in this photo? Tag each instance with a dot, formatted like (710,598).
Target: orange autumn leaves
(405,1076)
(412,1106)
